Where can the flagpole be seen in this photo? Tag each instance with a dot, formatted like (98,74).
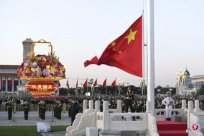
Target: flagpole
(143,53)
(150,44)
(106,87)
(143,56)
(106,91)
(115,86)
(115,90)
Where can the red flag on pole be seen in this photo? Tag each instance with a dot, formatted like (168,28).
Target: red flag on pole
(67,84)
(104,83)
(77,83)
(113,83)
(85,84)
(95,83)
(125,52)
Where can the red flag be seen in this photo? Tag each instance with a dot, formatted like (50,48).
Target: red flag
(125,52)
(104,83)
(95,83)
(113,83)
(67,84)
(77,84)
(85,83)
(94,60)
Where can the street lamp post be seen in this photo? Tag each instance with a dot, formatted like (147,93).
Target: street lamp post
(158,90)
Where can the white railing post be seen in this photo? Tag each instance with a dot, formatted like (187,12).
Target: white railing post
(183,107)
(105,115)
(119,106)
(90,104)
(197,108)
(97,106)
(190,109)
(183,102)
(84,105)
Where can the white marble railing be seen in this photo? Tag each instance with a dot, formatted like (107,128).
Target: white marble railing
(122,121)
(195,119)
(100,120)
(128,121)
(113,119)
(74,125)
(83,120)
(113,110)
(140,122)
(87,120)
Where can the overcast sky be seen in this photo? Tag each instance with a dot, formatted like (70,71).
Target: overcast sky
(81,29)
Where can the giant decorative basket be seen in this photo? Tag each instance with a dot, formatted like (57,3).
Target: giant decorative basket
(41,71)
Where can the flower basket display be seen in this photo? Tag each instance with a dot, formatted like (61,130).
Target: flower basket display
(41,71)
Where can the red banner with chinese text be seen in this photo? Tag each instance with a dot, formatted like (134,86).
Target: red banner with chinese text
(41,88)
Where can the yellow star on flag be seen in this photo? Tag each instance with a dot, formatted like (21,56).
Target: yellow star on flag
(131,36)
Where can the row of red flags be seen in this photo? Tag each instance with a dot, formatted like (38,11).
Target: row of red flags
(94,84)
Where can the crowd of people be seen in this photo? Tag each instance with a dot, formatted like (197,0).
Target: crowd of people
(131,102)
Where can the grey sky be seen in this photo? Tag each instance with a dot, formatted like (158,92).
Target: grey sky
(80,30)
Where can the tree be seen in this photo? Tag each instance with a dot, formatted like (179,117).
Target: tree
(201,90)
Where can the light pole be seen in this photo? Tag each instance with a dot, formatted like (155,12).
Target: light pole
(142,85)
(158,90)
(170,89)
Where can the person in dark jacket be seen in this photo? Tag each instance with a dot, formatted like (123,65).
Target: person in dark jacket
(129,100)
(74,109)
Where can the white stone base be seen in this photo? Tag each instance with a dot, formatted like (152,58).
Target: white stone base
(43,127)
(91,131)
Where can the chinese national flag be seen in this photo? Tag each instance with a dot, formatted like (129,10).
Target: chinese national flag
(67,84)
(95,83)
(125,52)
(104,83)
(85,84)
(113,83)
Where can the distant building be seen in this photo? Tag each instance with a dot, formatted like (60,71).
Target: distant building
(8,78)
(186,84)
(198,81)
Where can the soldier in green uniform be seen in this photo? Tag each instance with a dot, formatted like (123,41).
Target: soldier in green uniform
(129,100)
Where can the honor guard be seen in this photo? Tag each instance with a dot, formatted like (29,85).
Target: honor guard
(168,102)
(129,100)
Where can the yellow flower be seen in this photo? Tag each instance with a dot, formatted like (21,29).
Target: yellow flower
(33,69)
(52,69)
(48,66)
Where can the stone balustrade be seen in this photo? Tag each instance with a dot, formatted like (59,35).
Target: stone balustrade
(195,119)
